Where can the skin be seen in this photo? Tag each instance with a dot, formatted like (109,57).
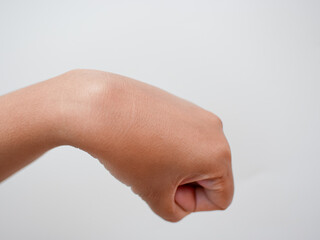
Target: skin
(172,153)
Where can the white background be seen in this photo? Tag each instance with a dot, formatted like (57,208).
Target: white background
(256,64)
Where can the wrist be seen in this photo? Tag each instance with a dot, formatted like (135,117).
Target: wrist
(80,104)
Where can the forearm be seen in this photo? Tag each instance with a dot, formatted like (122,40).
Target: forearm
(27,127)
(45,115)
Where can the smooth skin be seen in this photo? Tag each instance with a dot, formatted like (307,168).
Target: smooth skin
(172,153)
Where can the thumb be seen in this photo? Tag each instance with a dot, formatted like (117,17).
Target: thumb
(185,197)
(203,195)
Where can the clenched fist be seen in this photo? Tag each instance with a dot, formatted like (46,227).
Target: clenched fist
(172,153)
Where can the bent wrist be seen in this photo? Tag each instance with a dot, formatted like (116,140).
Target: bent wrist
(81,103)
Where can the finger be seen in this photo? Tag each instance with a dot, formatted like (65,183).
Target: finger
(185,198)
(214,194)
(203,202)
(194,198)
(205,195)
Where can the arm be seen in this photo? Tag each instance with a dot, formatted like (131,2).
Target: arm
(171,152)
(27,127)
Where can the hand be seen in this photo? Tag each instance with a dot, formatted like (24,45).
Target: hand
(171,152)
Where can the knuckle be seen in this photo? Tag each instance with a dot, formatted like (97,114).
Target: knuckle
(215,144)
(220,154)
(224,152)
(215,120)
(218,121)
